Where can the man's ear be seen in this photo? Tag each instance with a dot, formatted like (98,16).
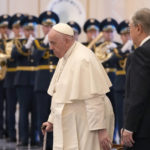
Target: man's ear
(139,28)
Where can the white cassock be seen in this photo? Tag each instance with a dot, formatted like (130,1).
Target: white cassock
(79,104)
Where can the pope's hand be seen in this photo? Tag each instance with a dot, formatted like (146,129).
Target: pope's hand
(46,127)
(104,140)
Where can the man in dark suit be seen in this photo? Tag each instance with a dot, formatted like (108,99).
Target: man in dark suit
(136,132)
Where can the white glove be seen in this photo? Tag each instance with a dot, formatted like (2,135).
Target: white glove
(111,46)
(29,42)
(127,46)
(46,41)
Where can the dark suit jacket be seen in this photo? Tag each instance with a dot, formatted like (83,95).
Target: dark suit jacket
(137,96)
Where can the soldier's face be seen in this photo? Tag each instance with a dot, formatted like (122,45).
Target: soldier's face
(4,30)
(46,29)
(28,32)
(125,37)
(91,34)
(76,36)
(16,31)
(108,35)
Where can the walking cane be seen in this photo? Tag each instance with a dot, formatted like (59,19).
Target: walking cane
(44,141)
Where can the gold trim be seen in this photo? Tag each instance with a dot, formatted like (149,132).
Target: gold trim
(52,66)
(25,68)
(110,70)
(37,44)
(19,48)
(11,69)
(46,67)
(117,53)
(120,72)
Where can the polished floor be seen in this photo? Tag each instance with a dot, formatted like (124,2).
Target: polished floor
(12,146)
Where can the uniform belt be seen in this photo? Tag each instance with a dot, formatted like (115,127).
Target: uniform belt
(13,69)
(25,68)
(46,67)
(120,72)
(110,70)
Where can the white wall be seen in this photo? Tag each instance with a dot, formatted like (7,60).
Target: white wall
(118,9)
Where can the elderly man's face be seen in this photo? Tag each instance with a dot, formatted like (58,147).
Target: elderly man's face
(133,32)
(57,43)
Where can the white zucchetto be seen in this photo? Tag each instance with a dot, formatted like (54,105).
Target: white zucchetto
(63,28)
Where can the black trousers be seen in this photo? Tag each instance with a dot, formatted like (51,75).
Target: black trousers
(119,97)
(27,104)
(1,105)
(140,144)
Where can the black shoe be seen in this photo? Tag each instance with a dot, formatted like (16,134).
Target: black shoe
(35,144)
(5,132)
(11,140)
(2,134)
(49,148)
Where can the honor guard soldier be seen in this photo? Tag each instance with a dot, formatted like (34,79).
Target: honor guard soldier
(11,97)
(76,28)
(119,85)
(46,64)
(105,52)
(108,26)
(4,21)
(92,29)
(24,81)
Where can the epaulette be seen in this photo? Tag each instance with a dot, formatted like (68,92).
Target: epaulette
(19,43)
(37,43)
(46,55)
(116,52)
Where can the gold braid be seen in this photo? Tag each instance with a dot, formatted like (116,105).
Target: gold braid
(37,44)
(19,48)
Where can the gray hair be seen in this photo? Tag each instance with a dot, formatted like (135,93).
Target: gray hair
(142,17)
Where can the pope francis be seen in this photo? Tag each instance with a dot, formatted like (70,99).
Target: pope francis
(81,114)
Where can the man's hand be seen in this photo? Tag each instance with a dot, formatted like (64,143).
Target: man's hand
(46,127)
(127,138)
(104,140)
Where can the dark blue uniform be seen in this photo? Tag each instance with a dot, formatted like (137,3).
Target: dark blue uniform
(11,96)
(119,84)
(119,88)
(46,64)
(2,94)
(4,21)
(110,68)
(24,82)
